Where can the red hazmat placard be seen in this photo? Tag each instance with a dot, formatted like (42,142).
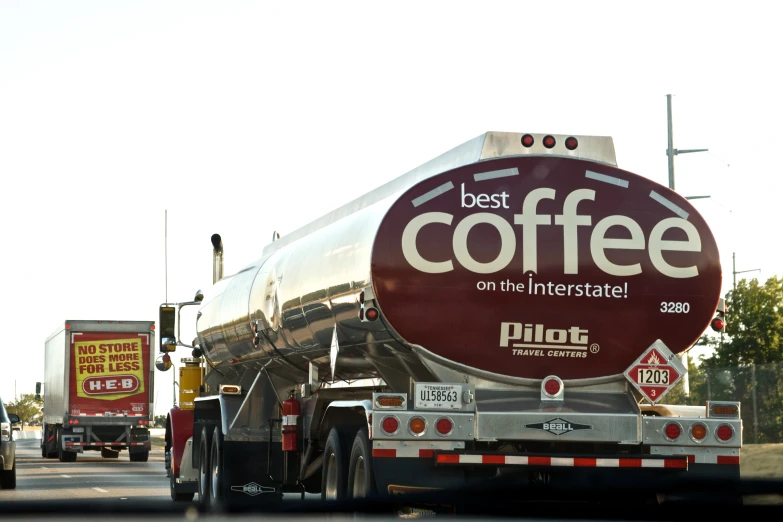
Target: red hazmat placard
(108,374)
(655,372)
(534,266)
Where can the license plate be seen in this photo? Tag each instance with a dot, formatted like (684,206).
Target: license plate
(438,397)
(78,430)
(655,376)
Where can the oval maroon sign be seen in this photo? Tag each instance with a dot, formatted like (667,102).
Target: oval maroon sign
(528,267)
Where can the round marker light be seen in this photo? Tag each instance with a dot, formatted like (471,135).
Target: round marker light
(552,387)
(549,142)
(417,425)
(724,433)
(698,432)
(571,143)
(528,140)
(372,314)
(672,431)
(390,425)
(444,426)
(717,324)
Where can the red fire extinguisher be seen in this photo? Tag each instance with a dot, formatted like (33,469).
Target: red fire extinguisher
(291,411)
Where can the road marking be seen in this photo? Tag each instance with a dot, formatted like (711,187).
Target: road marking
(66,476)
(44,467)
(101,490)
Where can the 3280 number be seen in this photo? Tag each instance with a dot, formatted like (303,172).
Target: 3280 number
(669,307)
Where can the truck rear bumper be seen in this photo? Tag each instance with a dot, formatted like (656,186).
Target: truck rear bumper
(459,469)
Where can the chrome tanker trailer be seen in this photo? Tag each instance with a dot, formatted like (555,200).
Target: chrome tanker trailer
(517,303)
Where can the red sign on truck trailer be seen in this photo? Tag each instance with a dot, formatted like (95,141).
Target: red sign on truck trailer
(107,372)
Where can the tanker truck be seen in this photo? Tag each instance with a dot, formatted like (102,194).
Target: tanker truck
(517,306)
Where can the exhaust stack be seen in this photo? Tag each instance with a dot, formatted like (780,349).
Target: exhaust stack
(217,258)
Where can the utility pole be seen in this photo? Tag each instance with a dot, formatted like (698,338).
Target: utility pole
(734,271)
(670,153)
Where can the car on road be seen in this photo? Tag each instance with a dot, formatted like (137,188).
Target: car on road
(7,449)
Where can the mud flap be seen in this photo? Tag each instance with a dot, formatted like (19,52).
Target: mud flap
(245,477)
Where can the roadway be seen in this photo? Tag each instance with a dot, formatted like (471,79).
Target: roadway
(90,477)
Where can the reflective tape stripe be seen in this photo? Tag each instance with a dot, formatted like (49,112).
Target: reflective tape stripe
(583,462)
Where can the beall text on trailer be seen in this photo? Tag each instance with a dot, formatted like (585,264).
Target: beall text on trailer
(517,302)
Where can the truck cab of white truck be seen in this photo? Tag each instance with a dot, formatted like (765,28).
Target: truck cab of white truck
(512,308)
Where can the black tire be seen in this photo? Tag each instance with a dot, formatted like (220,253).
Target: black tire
(217,491)
(203,470)
(334,474)
(46,445)
(8,478)
(107,453)
(361,475)
(140,456)
(178,497)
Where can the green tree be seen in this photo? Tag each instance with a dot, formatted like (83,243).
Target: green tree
(749,361)
(160,421)
(26,407)
(754,325)
(696,384)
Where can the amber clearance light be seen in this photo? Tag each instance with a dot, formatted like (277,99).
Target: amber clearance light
(698,432)
(417,425)
(390,401)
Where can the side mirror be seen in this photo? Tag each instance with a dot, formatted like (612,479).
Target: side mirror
(38,391)
(167,320)
(163,363)
(199,296)
(14,418)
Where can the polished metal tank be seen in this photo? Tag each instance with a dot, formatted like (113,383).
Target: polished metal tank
(284,310)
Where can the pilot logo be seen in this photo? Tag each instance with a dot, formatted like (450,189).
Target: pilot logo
(253,489)
(558,426)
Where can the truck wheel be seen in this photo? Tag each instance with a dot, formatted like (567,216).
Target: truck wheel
(46,445)
(216,494)
(334,475)
(141,456)
(361,477)
(8,478)
(203,470)
(178,497)
(109,454)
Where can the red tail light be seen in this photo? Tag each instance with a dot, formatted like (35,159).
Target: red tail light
(552,386)
(724,433)
(444,426)
(390,425)
(528,141)
(549,141)
(672,431)
(571,143)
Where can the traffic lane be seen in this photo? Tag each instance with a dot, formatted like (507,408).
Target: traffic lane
(90,477)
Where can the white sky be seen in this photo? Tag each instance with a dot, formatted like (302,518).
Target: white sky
(247,117)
